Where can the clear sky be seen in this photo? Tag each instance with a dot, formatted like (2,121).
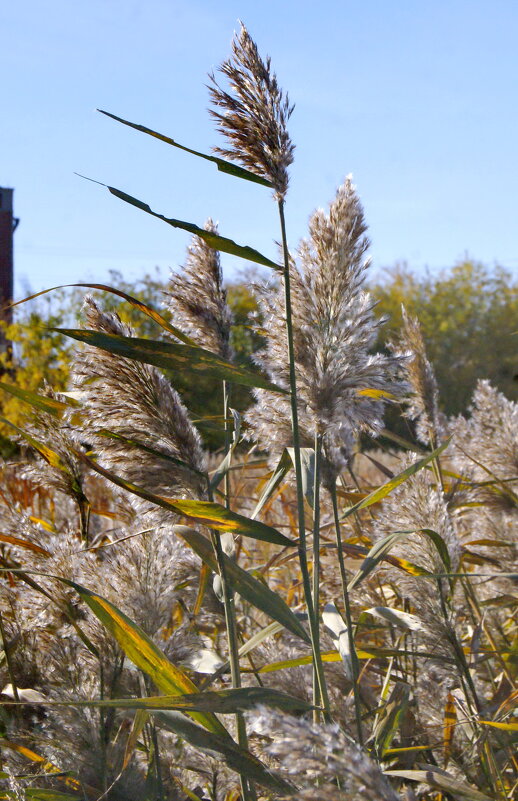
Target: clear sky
(416,98)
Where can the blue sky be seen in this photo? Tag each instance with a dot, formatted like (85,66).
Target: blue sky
(416,99)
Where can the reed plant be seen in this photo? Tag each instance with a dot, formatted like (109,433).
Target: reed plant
(299,615)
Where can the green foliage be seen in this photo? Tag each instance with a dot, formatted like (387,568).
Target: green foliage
(469,320)
(43,357)
(468,314)
(37,357)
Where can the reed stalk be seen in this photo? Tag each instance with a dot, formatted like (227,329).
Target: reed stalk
(8,662)
(348,618)
(226,401)
(302,546)
(316,562)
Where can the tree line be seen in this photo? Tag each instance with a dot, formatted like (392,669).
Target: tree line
(468,314)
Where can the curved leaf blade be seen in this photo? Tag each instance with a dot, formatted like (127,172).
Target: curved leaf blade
(40,402)
(170,355)
(237,758)
(222,165)
(248,587)
(213,240)
(380,550)
(362,653)
(307,464)
(210,514)
(385,489)
(283,467)
(135,302)
(143,652)
(219,517)
(221,702)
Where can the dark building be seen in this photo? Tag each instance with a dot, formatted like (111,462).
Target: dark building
(8,224)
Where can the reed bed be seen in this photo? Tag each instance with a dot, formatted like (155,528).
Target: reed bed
(321,611)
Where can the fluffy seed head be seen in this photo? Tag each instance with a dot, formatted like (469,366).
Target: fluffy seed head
(423,403)
(197,299)
(315,755)
(253,115)
(137,402)
(341,384)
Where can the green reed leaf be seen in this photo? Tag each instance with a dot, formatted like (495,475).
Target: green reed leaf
(210,514)
(307,464)
(283,467)
(213,240)
(242,582)
(222,165)
(43,794)
(385,489)
(221,702)
(380,550)
(219,517)
(388,721)
(140,719)
(149,311)
(238,759)
(143,652)
(170,355)
(367,652)
(40,402)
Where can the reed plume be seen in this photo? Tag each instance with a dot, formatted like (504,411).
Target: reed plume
(423,402)
(321,755)
(197,299)
(254,114)
(488,435)
(136,401)
(341,384)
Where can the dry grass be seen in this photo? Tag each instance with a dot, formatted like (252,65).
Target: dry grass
(395,569)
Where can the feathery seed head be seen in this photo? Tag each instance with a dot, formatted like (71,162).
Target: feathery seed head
(489,434)
(340,382)
(423,404)
(136,401)
(197,300)
(319,754)
(254,114)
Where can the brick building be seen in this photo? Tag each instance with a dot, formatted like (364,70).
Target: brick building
(8,223)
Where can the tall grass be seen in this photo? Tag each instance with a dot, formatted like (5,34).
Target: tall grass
(293,616)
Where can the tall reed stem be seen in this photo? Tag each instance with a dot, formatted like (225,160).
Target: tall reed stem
(226,480)
(247,789)
(302,548)
(316,561)
(348,619)
(8,661)
(233,649)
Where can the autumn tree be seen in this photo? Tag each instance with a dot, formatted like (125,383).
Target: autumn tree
(469,319)
(468,314)
(41,356)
